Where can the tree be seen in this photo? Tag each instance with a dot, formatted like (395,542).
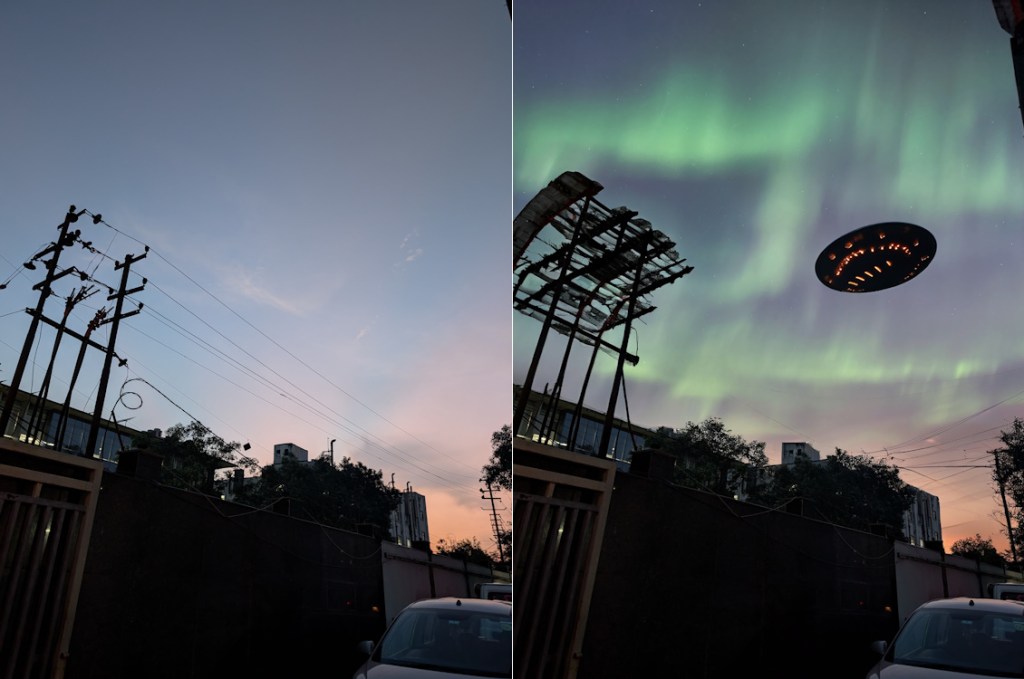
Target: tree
(1008,473)
(505,538)
(498,471)
(709,456)
(468,550)
(192,454)
(342,496)
(855,491)
(978,548)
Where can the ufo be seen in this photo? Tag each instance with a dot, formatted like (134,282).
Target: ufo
(875,257)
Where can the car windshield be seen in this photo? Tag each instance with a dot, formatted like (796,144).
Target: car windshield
(461,642)
(977,642)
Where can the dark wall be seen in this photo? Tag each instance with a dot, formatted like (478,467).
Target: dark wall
(180,585)
(693,584)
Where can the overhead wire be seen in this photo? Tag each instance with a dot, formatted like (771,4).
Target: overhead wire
(946,428)
(383,444)
(397,456)
(99,219)
(276,389)
(362,434)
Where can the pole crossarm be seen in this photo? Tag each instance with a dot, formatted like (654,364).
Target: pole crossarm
(68,331)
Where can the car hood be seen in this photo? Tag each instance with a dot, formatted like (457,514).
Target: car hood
(887,670)
(374,670)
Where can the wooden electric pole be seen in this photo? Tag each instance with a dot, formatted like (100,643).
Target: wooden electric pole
(65,239)
(115,320)
(1006,507)
(495,520)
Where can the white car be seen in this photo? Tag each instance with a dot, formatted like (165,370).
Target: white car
(952,638)
(438,638)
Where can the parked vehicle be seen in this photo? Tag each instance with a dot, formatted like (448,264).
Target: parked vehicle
(1007,591)
(438,638)
(500,591)
(960,637)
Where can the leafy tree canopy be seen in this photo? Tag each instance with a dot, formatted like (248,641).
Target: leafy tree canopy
(978,548)
(192,453)
(468,550)
(498,471)
(342,496)
(848,490)
(709,456)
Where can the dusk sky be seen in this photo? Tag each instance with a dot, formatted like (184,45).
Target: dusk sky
(754,134)
(325,189)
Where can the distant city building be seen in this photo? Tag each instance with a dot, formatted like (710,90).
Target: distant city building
(290,450)
(552,425)
(793,451)
(921,523)
(409,520)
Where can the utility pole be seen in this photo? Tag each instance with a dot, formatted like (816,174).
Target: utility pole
(123,291)
(86,343)
(1006,507)
(36,426)
(495,520)
(65,239)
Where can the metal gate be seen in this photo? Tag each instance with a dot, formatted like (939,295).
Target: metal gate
(561,505)
(47,504)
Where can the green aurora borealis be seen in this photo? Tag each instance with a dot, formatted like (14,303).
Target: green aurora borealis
(753,135)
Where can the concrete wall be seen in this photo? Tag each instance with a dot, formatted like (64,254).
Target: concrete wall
(180,585)
(412,574)
(924,574)
(693,584)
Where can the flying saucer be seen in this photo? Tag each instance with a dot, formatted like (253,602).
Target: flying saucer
(875,257)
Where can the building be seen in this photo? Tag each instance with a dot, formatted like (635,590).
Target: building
(792,451)
(553,425)
(921,524)
(291,451)
(38,423)
(408,523)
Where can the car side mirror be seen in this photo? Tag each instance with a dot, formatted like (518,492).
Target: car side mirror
(365,647)
(879,647)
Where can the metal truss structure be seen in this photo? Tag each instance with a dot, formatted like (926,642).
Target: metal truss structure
(584,269)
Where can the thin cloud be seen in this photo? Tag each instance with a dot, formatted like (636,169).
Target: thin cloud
(406,247)
(242,282)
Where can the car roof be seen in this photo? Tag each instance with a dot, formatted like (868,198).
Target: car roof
(978,604)
(466,604)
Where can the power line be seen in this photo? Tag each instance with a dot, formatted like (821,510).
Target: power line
(362,434)
(365,441)
(98,219)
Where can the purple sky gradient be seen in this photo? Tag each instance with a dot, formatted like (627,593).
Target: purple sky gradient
(754,134)
(325,189)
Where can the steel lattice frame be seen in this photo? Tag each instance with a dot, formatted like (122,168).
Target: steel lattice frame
(583,269)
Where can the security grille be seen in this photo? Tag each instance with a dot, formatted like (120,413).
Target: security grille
(47,504)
